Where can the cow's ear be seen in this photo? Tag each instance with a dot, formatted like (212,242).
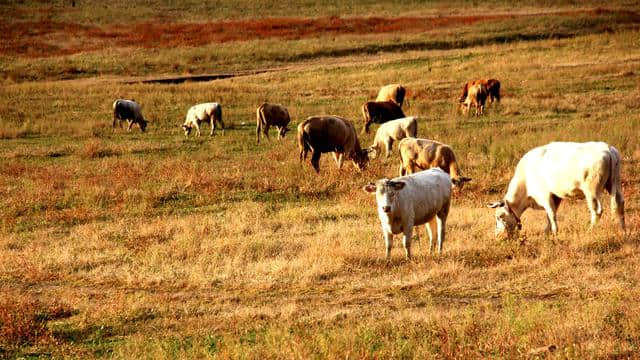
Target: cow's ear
(370,188)
(464,179)
(397,185)
(496,204)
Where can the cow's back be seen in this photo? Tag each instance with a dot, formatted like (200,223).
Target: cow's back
(328,133)
(427,191)
(562,167)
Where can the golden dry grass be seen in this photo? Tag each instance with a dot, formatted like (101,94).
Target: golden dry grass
(153,245)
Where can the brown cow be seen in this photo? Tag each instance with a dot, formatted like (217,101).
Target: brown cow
(493,89)
(272,115)
(330,133)
(477,96)
(380,112)
(421,154)
(393,92)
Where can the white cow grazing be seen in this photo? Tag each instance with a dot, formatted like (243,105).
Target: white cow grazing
(416,199)
(130,111)
(547,174)
(394,130)
(205,112)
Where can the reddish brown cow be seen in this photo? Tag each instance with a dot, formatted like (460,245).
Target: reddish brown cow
(492,85)
(380,112)
(329,133)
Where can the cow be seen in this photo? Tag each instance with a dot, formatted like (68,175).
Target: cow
(393,92)
(271,115)
(421,154)
(391,131)
(330,133)
(380,112)
(492,85)
(205,112)
(477,96)
(408,201)
(130,111)
(547,174)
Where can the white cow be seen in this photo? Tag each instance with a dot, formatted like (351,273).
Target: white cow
(391,131)
(407,201)
(130,111)
(547,174)
(205,112)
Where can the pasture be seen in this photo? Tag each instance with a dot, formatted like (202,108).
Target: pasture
(155,245)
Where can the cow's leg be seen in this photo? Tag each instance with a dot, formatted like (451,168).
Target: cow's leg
(550,209)
(389,146)
(432,230)
(595,208)
(130,122)
(197,124)
(441,221)
(402,170)
(388,243)
(339,157)
(555,204)
(406,239)
(617,207)
(265,131)
(213,126)
(315,160)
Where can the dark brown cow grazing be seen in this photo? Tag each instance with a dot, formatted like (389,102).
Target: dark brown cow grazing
(393,92)
(492,85)
(380,112)
(272,115)
(421,154)
(330,133)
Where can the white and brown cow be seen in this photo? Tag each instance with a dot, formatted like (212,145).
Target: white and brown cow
(421,154)
(271,115)
(394,130)
(476,97)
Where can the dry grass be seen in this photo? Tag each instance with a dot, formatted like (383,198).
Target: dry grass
(131,245)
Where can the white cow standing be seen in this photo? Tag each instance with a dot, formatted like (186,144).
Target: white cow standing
(205,112)
(407,201)
(394,130)
(547,174)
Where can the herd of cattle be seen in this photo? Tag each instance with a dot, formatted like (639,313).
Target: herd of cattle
(421,194)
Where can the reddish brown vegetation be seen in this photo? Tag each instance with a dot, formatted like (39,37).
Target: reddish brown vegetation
(49,38)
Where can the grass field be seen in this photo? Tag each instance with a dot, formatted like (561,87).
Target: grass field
(153,245)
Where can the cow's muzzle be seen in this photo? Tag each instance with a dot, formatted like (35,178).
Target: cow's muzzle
(386,209)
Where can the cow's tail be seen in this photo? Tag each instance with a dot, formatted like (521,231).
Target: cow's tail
(218,115)
(465,90)
(303,142)
(367,118)
(115,113)
(259,121)
(614,186)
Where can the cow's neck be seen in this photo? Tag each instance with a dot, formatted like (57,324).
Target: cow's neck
(517,198)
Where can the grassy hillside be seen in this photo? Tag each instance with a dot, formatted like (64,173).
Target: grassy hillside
(131,245)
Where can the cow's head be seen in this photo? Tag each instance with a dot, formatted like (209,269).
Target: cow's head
(361,159)
(507,222)
(282,131)
(459,181)
(386,193)
(143,125)
(187,129)
(372,152)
